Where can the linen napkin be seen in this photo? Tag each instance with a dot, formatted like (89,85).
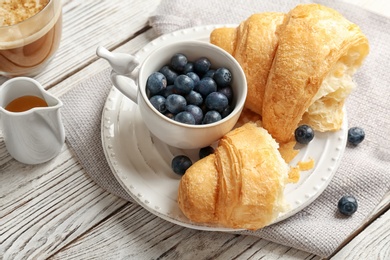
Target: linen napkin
(364,170)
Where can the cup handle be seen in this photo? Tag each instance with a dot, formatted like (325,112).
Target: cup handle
(125,84)
(125,71)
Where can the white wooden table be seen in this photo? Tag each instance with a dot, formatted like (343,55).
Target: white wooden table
(54,211)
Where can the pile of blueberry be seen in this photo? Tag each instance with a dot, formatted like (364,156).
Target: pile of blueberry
(191,92)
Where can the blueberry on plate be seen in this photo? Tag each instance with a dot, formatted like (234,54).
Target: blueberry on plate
(159,103)
(175,103)
(180,164)
(178,62)
(156,82)
(347,205)
(216,101)
(211,117)
(205,151)
(304,134)
(185,117)
(355,135)
(222,77)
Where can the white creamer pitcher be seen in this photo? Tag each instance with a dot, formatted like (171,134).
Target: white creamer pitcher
(36,135)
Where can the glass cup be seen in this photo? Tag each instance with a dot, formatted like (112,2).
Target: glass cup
(28,46)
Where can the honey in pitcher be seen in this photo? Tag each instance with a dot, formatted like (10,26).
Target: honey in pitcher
(25,103)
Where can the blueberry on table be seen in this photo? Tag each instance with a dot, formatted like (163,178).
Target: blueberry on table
(180,164)
(185,117)
(156,82)
(178,62)
(304,134)
(222,77)
(205,151)
(211,117)
(159,103)
(169,74)
(355,135)
(175,103)
(206,86)
(196,112)
(216,101)
(347,205)
(183,84)
(202,65)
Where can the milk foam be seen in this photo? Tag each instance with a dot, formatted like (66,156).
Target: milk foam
(33,31)
(16,11)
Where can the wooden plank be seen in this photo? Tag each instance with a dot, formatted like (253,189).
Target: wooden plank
(372,243)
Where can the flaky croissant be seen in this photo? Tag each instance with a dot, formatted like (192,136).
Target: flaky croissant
(241,185)
(299,66)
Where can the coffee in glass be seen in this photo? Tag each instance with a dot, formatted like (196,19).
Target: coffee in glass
(30,34)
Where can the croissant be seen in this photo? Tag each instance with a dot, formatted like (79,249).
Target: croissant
(241,185)
(299,66)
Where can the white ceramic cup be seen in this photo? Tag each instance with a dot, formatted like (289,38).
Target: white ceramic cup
(130,78)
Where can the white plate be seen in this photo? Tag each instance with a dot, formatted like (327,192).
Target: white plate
(141,162)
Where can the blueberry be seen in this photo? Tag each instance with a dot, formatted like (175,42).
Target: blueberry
(209,73)
(156,82)
(178,62)
(169,115)
(222,77)
(202,65)
(211,117)
(227,91)
(304,134)
(347,205)
(216,101)
(183,85)
(196,112)
(169,90)
(185,117)
(175,103)
(226,111)
(206,86)
(169,74)
(194,77)
(194,98)
(205,151)
(355,135)
(180,164)
(159,103)
(189,67)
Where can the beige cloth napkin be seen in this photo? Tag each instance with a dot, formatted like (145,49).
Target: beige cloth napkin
(364,170)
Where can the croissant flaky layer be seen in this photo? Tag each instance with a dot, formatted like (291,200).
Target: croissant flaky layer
(241,185)
(298,65)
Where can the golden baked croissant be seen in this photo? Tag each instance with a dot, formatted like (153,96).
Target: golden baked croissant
(241,185)
(313,52)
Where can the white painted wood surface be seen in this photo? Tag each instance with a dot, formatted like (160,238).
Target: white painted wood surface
(54,211)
